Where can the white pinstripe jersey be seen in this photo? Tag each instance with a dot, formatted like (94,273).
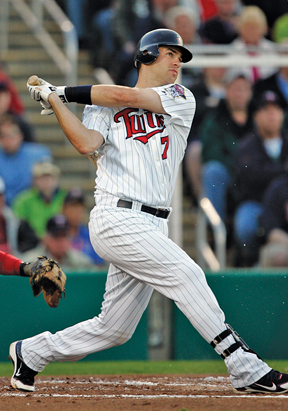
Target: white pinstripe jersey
(140,158)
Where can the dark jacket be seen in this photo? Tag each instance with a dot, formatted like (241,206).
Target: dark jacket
(275,213)
(254,169)
(220,135)
(202,95)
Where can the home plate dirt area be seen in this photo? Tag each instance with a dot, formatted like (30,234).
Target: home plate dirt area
(134,392)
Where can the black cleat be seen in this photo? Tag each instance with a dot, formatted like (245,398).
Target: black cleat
(23,377)
(273,383)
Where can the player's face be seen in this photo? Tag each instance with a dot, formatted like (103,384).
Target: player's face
(166,67)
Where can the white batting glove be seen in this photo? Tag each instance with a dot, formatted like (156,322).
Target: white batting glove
(47,109)
(41,93)
(60,90)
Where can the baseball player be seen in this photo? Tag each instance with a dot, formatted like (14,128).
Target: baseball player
(140,134)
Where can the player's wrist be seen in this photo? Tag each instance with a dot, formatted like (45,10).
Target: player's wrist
(61,92)
(79,94)
(25,270)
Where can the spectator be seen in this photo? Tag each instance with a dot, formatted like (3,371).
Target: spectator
(252,30)
(274,222)
(208,90)
(277,82)
(222,28)
(16,105)
(260,157)
(5,104)
(272,9)
(221,132)
(81,14)
(42,201)
(74,211)
(99,28)
(15,235)
(17,157)
(155,19)
(129,27)
(280,29)
(131,20)
(186,22)
(56,244)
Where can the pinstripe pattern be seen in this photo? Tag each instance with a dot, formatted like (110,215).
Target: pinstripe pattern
(137,163)
(132,167)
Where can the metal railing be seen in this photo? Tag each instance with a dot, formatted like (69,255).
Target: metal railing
(207,214)
(228,56)
(66,61)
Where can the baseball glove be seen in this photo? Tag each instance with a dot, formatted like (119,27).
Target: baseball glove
(47,276)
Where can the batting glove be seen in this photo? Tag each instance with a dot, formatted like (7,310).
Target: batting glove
(46,109)
(41,93)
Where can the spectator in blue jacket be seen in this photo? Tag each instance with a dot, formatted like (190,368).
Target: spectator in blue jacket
(74,211)
(17,157)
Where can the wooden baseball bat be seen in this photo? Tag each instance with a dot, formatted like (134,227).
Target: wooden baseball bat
(34,80)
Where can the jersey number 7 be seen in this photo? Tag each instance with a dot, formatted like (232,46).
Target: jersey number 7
(165,140)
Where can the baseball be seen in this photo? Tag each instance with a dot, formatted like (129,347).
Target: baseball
(34,80)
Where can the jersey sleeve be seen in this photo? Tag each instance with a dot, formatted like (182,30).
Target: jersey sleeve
(178,102)
(97,118)
(9,265)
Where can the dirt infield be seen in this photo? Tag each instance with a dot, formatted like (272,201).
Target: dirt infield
(131,392)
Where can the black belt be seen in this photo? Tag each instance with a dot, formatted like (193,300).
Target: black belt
(158,212)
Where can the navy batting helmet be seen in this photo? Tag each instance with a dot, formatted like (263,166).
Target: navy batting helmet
(148,47)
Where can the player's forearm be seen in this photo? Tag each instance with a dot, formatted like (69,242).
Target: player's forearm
(83,139)
(121,96)
(115,96)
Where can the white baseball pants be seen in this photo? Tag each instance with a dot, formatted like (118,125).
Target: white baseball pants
(142,258)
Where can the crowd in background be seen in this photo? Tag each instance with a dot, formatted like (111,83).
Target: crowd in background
(37,216)
(237,153)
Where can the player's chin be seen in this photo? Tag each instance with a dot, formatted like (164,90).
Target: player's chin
(173,76)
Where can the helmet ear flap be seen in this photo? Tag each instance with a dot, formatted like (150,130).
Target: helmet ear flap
(146,55)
